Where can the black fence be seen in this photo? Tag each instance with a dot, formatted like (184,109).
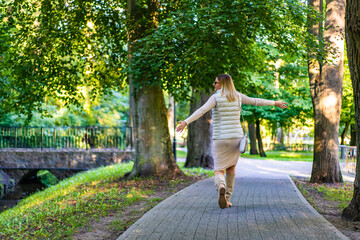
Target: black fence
(295,147)
(66,137)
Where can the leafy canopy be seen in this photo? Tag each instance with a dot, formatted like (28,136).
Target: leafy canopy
(54,48)
(51,48)
(197,40)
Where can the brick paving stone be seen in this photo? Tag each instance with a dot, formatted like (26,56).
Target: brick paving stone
(263,208)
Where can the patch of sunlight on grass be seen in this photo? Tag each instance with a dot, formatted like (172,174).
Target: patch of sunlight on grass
(283,156)
(60,209)
(95,183)
(180,153)
(88,193)
(341,193)
(199,171)
(66,187)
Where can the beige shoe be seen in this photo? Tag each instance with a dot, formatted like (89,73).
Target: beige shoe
(230,180)
(220,185)
(222,199)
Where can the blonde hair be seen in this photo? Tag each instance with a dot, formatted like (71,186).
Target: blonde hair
(227,87)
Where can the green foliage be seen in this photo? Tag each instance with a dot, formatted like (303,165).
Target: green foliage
(182,110)
(6,183)
(347,105)
(53,48)
(285,79)
(279,147)
(195,41)
(46,178)
(110,109)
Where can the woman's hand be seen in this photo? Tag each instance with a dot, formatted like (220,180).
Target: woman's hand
(281,104)
(181,126)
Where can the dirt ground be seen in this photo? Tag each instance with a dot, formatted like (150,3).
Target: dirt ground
(329,209)
(115,223)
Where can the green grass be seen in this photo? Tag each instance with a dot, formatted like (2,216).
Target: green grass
(58,211)
(283,156)
(180,154)
(199,171)
(341,194)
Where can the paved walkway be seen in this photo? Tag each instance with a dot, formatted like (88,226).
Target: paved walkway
(266,205)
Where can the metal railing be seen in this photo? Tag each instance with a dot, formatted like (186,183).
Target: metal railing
(66,137)
(294,147)
(349,153)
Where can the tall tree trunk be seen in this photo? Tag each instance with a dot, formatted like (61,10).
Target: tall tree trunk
(153,150)
(352,135)
(259,139)
(326,93)
(280,135)
(252,137)
(199,136)
(343,134)
(352,212)
(170,117)
(288,136)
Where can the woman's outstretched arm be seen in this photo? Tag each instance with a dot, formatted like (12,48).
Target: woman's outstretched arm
(281,104)
(211,103)
(262,102)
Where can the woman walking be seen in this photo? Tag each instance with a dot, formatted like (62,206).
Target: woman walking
(227,131)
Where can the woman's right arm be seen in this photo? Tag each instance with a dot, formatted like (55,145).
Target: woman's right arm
(211,103)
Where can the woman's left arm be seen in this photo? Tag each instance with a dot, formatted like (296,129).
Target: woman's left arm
(281,104)
(262,102)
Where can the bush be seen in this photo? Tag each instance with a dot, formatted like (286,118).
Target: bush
(279,147)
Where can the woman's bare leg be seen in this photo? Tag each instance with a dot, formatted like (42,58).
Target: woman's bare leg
(231,170)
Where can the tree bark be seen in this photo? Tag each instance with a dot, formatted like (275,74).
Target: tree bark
(326,93)
(252,137)
(343,134)
(352,135)
(352,212)
(199,142)
(280,135)
(153,150)
(259,139)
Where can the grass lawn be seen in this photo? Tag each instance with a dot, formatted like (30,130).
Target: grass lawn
(271,155)
(76,206)
(180,153)
(283,156)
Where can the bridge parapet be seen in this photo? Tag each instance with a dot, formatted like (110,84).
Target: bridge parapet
(60,158)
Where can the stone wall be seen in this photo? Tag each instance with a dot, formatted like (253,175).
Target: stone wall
(62,158)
